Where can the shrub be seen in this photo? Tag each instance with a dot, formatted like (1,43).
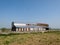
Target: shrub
(3,29)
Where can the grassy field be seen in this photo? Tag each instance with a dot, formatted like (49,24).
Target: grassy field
(48,38)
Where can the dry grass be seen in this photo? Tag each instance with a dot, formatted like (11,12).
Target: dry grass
(49,38)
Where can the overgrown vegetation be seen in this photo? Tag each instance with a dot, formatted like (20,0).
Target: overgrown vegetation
(5,29)
(48,38)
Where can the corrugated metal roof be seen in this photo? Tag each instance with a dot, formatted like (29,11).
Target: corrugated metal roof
(31,27)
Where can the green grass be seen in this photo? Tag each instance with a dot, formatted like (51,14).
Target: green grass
(35,38)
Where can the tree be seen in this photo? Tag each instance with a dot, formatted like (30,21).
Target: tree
(3,29)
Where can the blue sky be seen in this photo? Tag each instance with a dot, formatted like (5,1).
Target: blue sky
(43,11)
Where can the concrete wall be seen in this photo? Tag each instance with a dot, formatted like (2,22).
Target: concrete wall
(29,29)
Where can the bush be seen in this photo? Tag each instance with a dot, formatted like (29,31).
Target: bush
(4,29)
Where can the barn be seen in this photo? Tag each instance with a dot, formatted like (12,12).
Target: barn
(22,27)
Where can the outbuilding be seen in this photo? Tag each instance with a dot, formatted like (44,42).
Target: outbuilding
(22,27)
